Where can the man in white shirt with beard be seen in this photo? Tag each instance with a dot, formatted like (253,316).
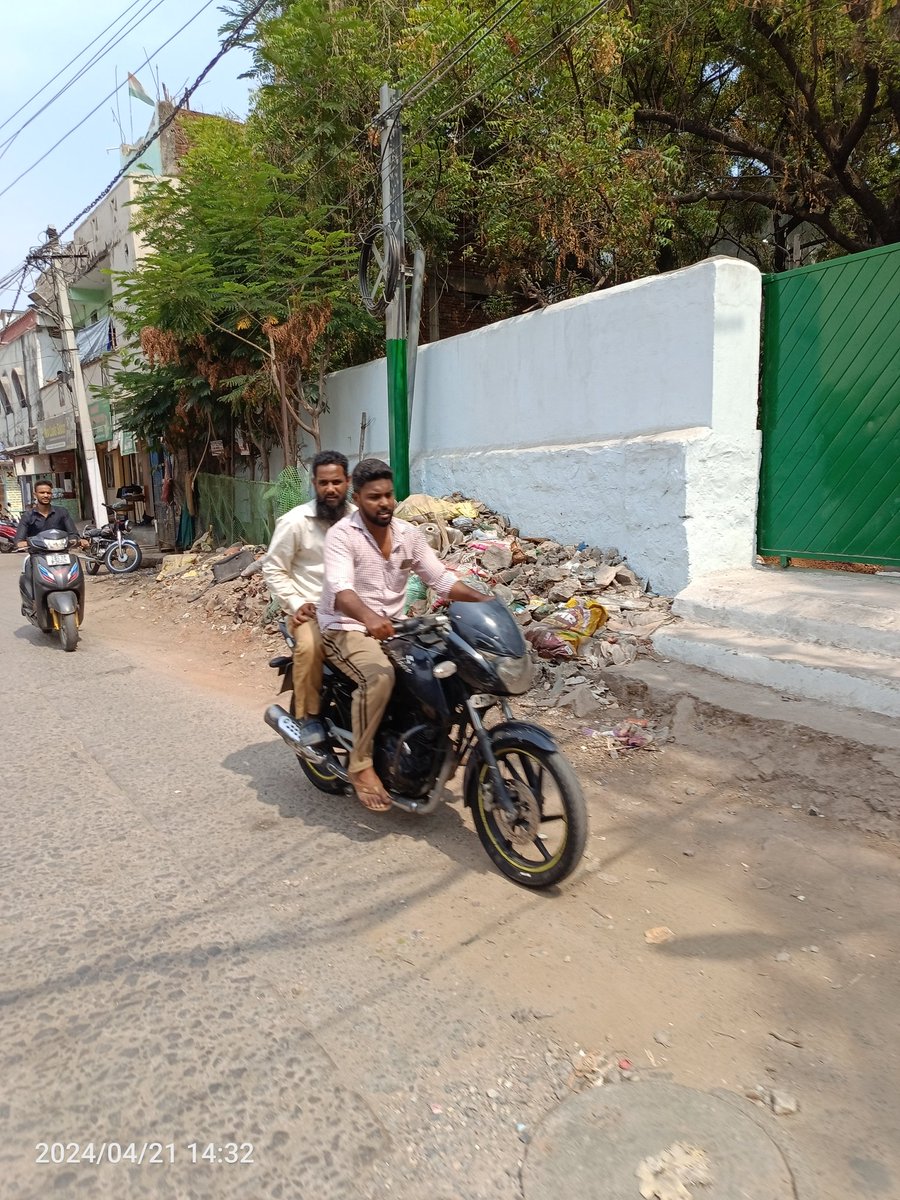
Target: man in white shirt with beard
(294,571)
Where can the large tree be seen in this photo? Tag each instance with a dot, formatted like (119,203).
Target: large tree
(240,305)
(786,114)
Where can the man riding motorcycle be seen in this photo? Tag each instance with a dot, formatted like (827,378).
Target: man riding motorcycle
(43,516)
(293,569)
(368,559)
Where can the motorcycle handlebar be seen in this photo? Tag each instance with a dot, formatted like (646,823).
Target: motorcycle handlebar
(417,624)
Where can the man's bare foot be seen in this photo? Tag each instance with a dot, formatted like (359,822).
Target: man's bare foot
(370,790)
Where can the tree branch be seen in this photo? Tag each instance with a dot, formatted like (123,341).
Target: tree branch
(863,117)
(865,199)
(766,200)
(656,116)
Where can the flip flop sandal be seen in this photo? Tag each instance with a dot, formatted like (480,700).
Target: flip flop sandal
(372,800)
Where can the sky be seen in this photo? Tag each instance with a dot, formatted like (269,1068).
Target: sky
(38,40)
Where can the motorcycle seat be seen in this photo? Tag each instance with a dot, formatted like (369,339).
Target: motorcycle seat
(89,532)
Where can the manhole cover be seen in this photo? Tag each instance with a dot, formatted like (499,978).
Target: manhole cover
(595,1144)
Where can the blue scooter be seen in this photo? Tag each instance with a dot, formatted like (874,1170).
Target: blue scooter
(52,586)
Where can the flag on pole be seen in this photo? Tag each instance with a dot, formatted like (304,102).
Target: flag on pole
(135,89)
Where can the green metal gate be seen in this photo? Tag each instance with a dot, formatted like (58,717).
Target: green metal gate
(830,478)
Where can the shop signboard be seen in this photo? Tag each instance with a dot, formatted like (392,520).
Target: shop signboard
(56,434)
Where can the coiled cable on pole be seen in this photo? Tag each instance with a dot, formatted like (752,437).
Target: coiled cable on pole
(378,292)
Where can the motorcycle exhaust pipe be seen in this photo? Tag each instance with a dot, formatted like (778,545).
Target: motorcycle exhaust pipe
(287,728)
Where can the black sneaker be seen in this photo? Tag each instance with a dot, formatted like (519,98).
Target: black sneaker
(307,732)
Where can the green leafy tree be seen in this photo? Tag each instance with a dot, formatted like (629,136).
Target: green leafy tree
(240,306)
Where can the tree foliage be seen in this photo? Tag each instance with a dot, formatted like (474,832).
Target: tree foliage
(240,304)
(553,147)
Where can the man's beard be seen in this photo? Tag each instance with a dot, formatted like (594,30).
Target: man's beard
(329,513)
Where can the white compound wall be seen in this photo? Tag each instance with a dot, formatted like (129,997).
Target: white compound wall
(624,418)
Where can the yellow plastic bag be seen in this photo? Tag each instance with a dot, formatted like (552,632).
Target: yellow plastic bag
(419,508)
(580,619)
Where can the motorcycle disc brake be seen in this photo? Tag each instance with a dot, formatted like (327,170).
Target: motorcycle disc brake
(523,828)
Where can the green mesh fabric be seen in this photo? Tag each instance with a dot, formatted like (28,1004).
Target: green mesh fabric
(242,510)
(291,490)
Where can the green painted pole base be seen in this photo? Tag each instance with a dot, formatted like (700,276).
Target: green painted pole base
(398,415)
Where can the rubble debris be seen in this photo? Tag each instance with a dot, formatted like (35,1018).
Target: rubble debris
(782,1104)
(233,565)
(582,609)
(658,935)
(670,1175)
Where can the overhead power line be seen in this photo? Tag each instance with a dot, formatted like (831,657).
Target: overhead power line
(230,42)
(441,68)
(53,78)
(109,96)
(110,44)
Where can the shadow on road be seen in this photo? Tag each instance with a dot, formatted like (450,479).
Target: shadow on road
(263,763)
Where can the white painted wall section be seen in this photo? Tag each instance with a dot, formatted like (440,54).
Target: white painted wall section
(624,418)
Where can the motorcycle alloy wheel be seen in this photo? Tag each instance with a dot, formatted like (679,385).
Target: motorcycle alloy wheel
(123,560)
(320,778)
(544,842)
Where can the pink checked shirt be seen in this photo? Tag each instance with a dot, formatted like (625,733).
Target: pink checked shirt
(354,563)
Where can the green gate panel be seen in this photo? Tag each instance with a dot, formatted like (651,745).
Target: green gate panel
(830,411)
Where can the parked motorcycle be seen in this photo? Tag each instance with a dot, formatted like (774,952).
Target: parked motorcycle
(7,538)
(452,670)
(109,545)
(52,586)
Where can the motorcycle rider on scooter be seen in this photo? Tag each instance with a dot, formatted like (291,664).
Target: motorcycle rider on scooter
(43,516)
(368,559)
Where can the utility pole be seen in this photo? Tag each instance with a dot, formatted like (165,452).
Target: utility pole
(73,366)
(395,317)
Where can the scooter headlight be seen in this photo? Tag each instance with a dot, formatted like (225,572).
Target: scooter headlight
(56,543)
(515,674)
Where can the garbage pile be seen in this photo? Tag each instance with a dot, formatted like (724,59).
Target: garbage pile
(581,608)
(226,585)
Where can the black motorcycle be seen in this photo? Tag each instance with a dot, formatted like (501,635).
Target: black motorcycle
(108,545)
(52,586)
(452,670)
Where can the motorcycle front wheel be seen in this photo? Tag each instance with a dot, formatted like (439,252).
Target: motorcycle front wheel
(68,631)
(120,560)
(543,843)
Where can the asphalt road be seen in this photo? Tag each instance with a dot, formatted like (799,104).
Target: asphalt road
(199,951)
(216,983)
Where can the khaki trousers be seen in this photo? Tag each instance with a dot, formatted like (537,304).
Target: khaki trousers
(362,659)
(308,657)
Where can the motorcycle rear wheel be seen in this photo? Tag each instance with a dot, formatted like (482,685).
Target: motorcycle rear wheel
(68,631)
(122,562)
(545,842)
(6,547)
(91,566)
(320,778)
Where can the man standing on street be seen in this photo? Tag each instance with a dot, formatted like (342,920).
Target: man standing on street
(293,568)
(368,559)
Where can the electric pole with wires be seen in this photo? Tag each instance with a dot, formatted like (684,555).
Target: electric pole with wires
(389,119)
(72,363)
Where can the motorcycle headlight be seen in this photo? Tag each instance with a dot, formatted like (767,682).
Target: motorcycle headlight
(515,674)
